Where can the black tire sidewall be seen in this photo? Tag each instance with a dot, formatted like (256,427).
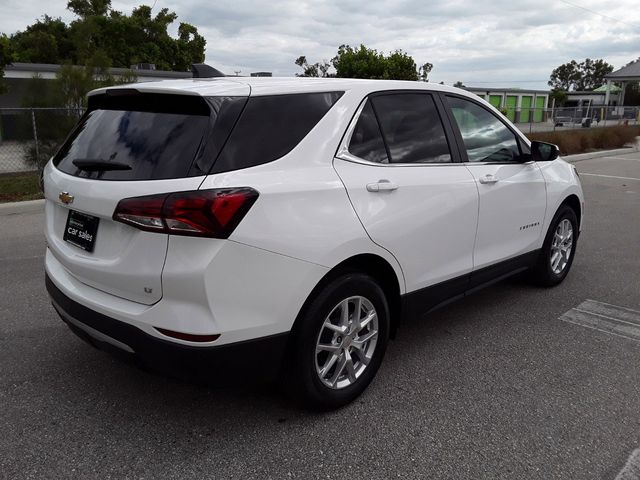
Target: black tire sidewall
(310,388)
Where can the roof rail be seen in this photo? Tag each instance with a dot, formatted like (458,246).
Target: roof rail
(202,70)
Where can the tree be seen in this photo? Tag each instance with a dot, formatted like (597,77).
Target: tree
(459,84)
(123,40)
(318,69)
(424,71)
(363,62)
(560,96)
(5,59)
(586,75)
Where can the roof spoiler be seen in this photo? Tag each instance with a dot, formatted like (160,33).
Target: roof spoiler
(202,70)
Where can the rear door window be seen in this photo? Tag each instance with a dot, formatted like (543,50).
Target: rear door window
(366,140)
(412,128)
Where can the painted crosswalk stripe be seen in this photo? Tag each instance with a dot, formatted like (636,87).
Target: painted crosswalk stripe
(607,318)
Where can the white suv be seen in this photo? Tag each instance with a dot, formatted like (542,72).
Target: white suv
(222,227)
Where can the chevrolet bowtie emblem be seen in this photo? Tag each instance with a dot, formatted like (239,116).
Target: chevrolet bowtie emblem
(65,198)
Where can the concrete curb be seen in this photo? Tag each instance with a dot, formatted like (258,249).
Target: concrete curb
(602,153)
(28,206)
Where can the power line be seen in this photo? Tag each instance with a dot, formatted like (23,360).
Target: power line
(634,25)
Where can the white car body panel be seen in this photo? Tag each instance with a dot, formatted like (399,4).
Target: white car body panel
(428,223)
(126,261)
(511,211)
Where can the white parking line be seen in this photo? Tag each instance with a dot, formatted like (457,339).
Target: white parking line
(606,318)
(631,470)
(607,176)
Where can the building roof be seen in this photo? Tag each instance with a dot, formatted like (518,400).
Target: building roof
(612,89)
(629,72)
(506,90)
(54,68)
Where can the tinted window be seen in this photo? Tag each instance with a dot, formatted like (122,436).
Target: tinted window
(366,139)
(271,126)
(486,138)
(412,128)
(157,135)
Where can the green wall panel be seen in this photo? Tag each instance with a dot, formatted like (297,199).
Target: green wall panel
(495,100)
(538,114)
(525,108)
(512,103)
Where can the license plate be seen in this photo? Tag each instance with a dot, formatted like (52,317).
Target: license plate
(81,230)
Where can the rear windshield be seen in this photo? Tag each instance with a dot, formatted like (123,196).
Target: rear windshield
(141,137)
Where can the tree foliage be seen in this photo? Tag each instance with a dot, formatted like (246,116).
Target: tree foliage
(318,69)
(101,34)
(363,62)
(586,75)
(5,58)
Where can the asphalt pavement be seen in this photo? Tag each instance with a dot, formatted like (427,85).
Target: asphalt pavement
(494,386)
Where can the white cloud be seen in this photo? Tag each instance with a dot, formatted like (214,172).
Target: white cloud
(502,42)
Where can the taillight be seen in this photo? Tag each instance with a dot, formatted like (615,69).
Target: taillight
(200,213)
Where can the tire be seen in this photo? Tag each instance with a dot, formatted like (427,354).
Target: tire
(304,376)
(544,272)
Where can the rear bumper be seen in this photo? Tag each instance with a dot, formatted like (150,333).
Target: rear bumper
(257,359)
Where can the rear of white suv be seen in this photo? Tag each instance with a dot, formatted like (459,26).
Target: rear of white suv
(234,228)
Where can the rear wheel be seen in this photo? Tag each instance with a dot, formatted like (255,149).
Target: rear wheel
(340,340)
(558,249)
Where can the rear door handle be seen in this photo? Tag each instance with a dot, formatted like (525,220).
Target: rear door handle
(489,178)
(381,186)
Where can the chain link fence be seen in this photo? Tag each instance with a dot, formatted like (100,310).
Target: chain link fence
(566,118)
(30,136)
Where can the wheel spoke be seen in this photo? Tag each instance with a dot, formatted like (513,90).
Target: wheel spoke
(351,371)
(335,328)
(328,364)
(360,341)
(555,259)
(366,321)
(321,347)
(344,313)
(362,356)
(338,371)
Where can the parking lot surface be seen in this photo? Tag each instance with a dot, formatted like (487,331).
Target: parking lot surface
(500,385)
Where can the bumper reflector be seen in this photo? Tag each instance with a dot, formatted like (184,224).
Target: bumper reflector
(189,337)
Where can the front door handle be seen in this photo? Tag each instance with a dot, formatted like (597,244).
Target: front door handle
(382,186)
(489,178)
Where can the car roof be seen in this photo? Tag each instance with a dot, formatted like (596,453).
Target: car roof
(256,86)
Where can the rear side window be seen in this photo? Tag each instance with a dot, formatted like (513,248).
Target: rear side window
(412,128)
(137,136)
(271,126)
(366,140)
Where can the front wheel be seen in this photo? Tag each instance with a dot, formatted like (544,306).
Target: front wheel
(558,249)
(340,340)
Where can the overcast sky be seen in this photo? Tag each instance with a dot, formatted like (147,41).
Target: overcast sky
(498,43)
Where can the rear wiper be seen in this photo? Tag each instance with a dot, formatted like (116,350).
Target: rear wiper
(99,165)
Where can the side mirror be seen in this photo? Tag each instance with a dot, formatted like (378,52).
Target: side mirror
(544,152)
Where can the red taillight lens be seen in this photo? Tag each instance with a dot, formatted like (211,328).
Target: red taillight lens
(201,213)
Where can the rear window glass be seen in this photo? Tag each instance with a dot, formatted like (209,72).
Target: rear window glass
(146,136)
(271,126)
(366,140)
(412,128)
